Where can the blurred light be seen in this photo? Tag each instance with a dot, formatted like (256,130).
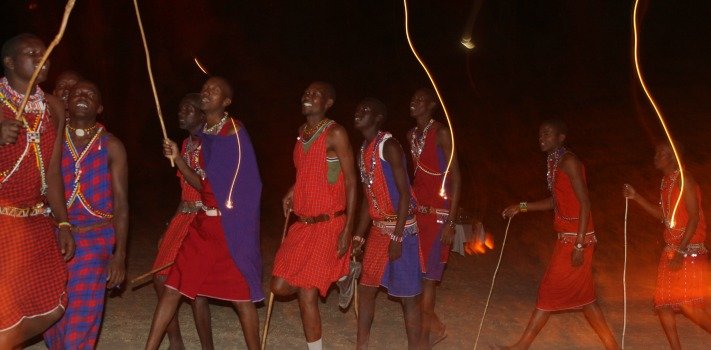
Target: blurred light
(467,42)
(200,66)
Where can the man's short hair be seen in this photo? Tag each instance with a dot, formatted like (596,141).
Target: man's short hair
(9,47)
(193,98)
(557,124)
(328,89)
(379,107)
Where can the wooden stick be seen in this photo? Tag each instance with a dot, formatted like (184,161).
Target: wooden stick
(355,295)
(67,11)
(150,74)
(270,305)
(151,272)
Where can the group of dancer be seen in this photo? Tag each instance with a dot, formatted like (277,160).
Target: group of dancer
(64,218)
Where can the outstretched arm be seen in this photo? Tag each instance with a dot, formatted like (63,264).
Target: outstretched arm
(444,140)
(654,210)
(339,143)
(118,166)
(541,205)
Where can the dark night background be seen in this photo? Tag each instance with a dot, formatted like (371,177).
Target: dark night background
(534,60)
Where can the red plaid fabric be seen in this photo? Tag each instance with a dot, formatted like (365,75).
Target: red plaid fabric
(375,257)
(91,197)
(33,274)
(180,223)
(426,187)
(79,327)
(379,191)
(309,257)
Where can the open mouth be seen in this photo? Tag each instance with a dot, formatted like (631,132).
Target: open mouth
(307,104)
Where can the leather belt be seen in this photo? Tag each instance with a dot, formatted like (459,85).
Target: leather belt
(320,218)
(37,209)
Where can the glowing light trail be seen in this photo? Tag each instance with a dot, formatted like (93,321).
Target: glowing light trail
(65,18)
(442,191)
(200,66)
(672,220)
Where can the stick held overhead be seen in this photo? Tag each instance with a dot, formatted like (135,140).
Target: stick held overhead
(150,73)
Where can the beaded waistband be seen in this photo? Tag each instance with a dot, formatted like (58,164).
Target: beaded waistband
(692,249)
(37,209)
(189,207)
(571,237)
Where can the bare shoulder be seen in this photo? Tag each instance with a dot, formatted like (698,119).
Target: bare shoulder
(571,163)
(114,145)
(56,108)
(337,133)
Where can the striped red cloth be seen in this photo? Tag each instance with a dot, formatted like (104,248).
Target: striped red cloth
(34,275)
(178,228)
(308,257)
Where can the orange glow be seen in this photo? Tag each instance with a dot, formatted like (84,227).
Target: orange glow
(672,220)
(479,245)
(442,191)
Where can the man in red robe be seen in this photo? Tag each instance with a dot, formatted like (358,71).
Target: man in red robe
(568,281)
(315,251)
(681,275)
(33,274)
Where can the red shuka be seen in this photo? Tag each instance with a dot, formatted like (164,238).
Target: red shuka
(308,257)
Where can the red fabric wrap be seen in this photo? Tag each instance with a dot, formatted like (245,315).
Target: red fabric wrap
(686,285)
(308,257)
(34,275)
(563,286)
(426,186)
(567,206)
(379,187)
(375,257)
(178,228)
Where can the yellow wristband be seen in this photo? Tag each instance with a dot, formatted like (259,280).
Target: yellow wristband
(63,224)
(523,206)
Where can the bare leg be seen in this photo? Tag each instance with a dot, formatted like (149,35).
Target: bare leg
(281,287)
(366,312)
(201,313)
(597,320)
(310,316)
(28,328)
(535,324)
(698,316)
(431,324)
(165,310)
(249,320)
(668,320)
(413,321)
(173,328)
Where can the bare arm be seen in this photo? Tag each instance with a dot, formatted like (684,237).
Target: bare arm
(118,166)
(170,150)
(444,140)
(338,142)
(55,183)
(363,223)
(654,210)
(540,205)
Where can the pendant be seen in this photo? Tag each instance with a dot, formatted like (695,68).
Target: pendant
(33,137)
(79,132)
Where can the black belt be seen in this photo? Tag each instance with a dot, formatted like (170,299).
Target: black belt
(320,218)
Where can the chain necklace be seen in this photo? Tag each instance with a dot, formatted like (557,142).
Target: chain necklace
(552,165)
(311,130)
(213,130)
(669,188)
(81,132)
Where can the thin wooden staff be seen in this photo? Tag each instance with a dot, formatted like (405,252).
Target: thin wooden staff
(67,11)
(150,74)
(355,294)
(270,305)
(151,272)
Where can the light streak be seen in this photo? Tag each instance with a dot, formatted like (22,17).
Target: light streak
(469,26)
(65,18)
(672,220)
(229,203)
(200,66)
(468,43)
(442,191)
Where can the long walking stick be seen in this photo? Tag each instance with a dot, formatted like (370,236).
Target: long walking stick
(493,279)
(151,272)
(624,278)
(355,293)
(270,305)
(65,18)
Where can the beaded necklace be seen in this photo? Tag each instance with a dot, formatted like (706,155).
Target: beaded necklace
(78,157)
(552,165)
(308,133)
(213,130)
(367,177)
(417,145)
(666,214)
(36,104)
(192,156)
(82,132)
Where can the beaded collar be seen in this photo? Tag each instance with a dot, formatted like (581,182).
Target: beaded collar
(310,132)
(368,176)
(417,144)
(552,165)
(215,129)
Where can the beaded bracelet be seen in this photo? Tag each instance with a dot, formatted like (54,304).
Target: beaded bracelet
(523,206)
(683,253)
(63,224)
(395,238)
(360,239)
